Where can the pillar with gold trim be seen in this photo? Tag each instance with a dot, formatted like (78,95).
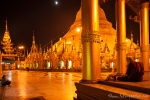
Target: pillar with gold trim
(144,34)
(90,42)
(121,36)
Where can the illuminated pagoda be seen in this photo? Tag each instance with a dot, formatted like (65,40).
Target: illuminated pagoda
(69,47)
(34,57)
(7,50)
(67,52)
(7,45)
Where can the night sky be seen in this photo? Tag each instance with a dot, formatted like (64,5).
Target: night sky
(48,20)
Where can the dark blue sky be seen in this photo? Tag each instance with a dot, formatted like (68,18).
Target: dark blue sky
(47,19)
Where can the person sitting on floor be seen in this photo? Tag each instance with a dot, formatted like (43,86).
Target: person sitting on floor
(5,81)
(134,73)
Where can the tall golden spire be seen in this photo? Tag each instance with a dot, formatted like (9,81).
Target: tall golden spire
(6,34)
(138,46)
(55,48)
(47,49)
(131,46)
(44,50)
(33,42)
(40,49)
(137,42)
(51,46)
(34,47)
(7,45)
(131,36)
(6,30)
(6,24)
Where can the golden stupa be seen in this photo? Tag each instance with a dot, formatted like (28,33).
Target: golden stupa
(67,52)
(71,41)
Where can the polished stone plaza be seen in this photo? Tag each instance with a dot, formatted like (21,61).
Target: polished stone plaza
(36,85)
(44,85)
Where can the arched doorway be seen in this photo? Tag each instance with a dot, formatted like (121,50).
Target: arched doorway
(61,64)
(69,65)
(37,65)
(48,65)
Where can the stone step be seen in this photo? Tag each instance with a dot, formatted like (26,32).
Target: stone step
(106,92)
(142,87)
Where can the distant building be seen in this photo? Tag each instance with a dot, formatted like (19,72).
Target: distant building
(7,51)
(10,55)
(35,57)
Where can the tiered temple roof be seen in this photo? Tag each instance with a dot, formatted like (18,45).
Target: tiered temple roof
(6,44)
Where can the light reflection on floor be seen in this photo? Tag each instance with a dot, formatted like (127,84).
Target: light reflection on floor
(50,85)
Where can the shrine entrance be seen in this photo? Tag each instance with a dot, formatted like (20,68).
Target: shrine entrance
(8,62)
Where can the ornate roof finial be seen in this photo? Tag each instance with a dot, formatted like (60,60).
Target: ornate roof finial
(131,36)
(44,50)
(6,24)
(131,45)
(137,42)
(56,48)
(51,43)
(47,49)
(40,48)
(138,46)
(33,34)
(33,42)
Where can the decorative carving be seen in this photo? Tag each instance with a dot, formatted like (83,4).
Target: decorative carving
(121,46)
(144,48)
(90,36)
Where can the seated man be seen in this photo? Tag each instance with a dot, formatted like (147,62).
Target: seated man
(5,81)
(134,73)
